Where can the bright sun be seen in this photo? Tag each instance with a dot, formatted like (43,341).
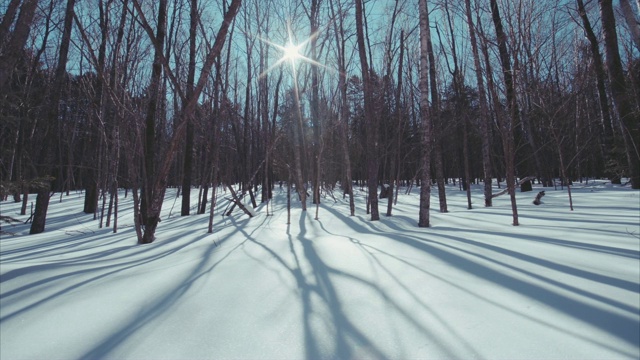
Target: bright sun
(291,52)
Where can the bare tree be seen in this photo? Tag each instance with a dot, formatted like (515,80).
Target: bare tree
(158,180)
(43,197)
(629,119)
(508,122)
(425,189)
(485,118)
(370,117)
(343,107)
(395,158)
(600,72)
(188,145)
(437,124)
(12,47)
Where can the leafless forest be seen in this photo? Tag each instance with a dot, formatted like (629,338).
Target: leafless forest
(315,95)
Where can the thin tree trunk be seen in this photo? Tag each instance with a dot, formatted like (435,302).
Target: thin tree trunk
(289,198)
(425,189)
(137,215)
(315,98)
(115,211)
(370,118)
(436,124)
(485,119)
(297,152)
(188,147)
(395,161)
(511,119)
(343,106)
(25,200)
(465,151)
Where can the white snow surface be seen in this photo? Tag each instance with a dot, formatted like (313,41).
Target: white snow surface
(562,285)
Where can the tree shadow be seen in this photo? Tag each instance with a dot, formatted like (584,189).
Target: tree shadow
(578,305)
(33,294)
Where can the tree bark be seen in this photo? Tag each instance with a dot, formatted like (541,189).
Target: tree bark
(343,111)
(15,44)
(370,118)
(605,112)
(315,97)
(619,91)
(426,141)
(7,20)
(42,199)
(149,218)
(395,161)
(508,122)
(632,22)
(188,145)
(40,214)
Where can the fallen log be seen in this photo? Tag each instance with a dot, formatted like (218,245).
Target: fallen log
(528,178)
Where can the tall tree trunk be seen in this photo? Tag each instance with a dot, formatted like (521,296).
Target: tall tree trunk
(343,111)
(188,145)
(97,122)
(395,161)
(7,20)
(458,84)
(298,148)
(149,218)
(425,189)
(629,119)
(512,118)
(42,199)
(314,16)
(370,118)
(605,112)
(436,120)
(632,22)
(14,45)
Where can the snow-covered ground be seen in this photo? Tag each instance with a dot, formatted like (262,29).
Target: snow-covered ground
(563,284)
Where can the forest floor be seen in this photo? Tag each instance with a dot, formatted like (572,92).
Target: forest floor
(563,284)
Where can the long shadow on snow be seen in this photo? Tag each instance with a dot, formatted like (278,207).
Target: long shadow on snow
(551,323)
(560,216)
(611,322)
(344,328)
(449,350)
(161,304)
(634,254)
(110,269)
(68,245)
(323,288)
(609,280)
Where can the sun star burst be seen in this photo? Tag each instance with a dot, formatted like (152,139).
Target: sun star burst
(291,52)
